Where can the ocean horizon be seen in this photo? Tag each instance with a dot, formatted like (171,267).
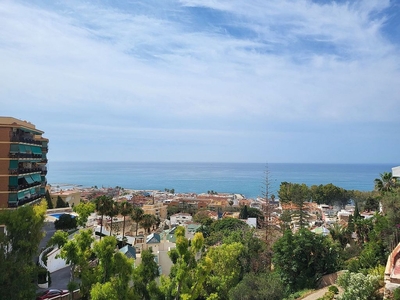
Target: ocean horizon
(247,179)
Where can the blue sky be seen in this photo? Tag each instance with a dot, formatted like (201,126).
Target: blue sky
(206,80)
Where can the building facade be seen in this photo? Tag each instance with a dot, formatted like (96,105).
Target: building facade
(23,160)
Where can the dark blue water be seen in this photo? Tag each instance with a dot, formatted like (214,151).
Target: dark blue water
(243,178)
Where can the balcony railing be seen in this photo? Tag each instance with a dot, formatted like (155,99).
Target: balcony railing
(19,187)
(25,155)
(19,139)
(21,171)
(25,200)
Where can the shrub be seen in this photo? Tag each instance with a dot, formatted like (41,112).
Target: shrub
(333,289)
(42,275)
(358,286)
(65,222)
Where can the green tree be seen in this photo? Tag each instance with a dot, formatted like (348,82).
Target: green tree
(137,216)
(84,209)
(298,194)
(126,209)
(48,199)
(358,286)
(243,213)
(185,280)
(112,212)
(226,269)
(302,258)
(386,183)
(60,203)
(147,222)
(59,238)
(258,286)
(65,222)
(18,247)
(103,204)
(144,276)
(105,291)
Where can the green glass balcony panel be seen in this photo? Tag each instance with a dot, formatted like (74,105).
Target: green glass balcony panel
(34,191)
(36,150)
(22,148)
(36,178)
(14,148)
(13,180)
(29,179)
(28,149)
(13,164)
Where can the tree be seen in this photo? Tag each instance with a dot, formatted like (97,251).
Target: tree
(144,276)
(226,269)
(258,286)
(65,222)
(340,234)
(105,291)
(358,286)
(48,199)
(243,213)
(60,203)
(386,182)
(137,216)
(302,258)
(126,209)
(147,222)
(84,209)
(103,204)
(112,212)
(185,280)
(18,247)
(298,194)
(59,238)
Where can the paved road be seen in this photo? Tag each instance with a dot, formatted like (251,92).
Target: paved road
(60,278)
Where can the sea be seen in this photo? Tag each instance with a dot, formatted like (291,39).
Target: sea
(248,179)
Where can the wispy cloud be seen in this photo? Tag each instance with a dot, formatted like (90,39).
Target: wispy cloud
(195,68)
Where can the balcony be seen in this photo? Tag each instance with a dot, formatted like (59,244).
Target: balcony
(19,187)
(26,140)
(21,171)
(25,200)
(25,156)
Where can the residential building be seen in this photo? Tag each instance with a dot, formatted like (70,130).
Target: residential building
(396,171)
(70,197)
(23,160)
(157,209)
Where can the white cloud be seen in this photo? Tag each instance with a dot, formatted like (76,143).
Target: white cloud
(198,68)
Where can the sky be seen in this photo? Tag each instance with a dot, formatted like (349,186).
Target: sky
(295,81)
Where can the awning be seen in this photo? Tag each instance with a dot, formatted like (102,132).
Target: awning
(36,177)
(14,148)
(21,195)
(22,148)
(29,179)
(36,150)
(28,148)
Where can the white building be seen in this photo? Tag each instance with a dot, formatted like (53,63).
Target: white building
(180,218)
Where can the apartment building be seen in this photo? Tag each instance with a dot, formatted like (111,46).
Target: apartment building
(23,161)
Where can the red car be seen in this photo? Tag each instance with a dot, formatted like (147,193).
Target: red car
(50,293)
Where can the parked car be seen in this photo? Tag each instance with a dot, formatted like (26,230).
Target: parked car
(50,293)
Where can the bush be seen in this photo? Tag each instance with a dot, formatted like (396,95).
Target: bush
(396,294)
(42,275)
(329,295)
(358,286)
(65,222)
(333,289)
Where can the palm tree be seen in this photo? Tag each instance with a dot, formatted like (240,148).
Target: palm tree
(386,183)
(137,216)
(103,204)
(147,221)
(126,209)
(113,212)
